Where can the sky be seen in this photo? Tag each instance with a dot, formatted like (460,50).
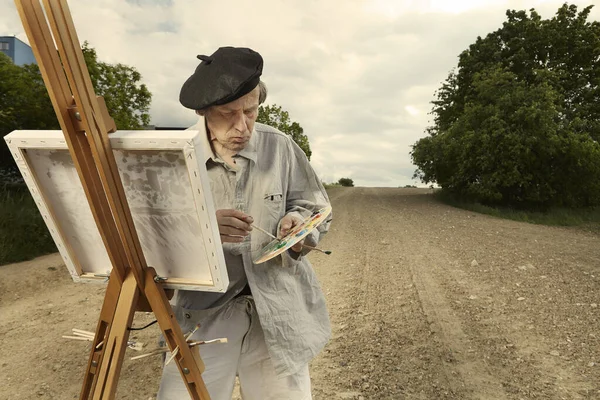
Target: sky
(358,75)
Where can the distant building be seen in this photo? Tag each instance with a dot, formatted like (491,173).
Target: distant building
(17,50)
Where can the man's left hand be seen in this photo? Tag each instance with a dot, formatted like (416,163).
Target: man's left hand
(287,224)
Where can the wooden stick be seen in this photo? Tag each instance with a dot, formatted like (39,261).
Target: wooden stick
(81,331)
(82,335)
(79,338)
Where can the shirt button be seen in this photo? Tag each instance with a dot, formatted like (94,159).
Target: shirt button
(188,316)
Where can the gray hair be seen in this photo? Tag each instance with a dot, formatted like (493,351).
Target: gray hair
(262,97)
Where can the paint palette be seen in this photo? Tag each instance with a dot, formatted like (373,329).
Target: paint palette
(278,246)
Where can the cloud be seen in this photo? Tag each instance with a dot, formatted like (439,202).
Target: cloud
(358,75)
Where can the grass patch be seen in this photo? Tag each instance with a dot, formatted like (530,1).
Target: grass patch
(331,185)
(23,233)
(588,218)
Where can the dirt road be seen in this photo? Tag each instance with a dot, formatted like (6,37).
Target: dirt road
(427,302)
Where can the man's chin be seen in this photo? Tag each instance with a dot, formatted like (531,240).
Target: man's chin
(238,146)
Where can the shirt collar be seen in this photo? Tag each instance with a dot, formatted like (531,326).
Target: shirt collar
(248,152)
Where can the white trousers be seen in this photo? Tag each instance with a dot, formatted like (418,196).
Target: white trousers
(244,355)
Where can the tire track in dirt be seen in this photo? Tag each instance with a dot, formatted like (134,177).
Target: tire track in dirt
(382,346)
(465,371)
(475,376)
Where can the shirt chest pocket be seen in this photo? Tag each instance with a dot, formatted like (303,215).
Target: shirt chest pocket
(273,203)
(274,209)
(271,212)
(273,198)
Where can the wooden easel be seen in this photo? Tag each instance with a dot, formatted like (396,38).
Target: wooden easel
(85,122)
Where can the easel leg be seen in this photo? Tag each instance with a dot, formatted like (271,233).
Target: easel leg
(105,363)
(115,344)
(107,315)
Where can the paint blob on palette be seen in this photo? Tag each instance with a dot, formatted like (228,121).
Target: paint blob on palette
(278,246)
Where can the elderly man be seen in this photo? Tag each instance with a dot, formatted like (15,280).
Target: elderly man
(273,314)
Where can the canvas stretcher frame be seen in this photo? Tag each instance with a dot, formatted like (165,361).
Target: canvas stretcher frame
(173,213)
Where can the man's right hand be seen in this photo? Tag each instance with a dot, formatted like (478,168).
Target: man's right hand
(234,225)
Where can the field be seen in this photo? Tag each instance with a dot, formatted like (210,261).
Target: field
(427,301)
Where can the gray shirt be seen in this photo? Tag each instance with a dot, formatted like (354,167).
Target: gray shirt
(228,186)
(273,178)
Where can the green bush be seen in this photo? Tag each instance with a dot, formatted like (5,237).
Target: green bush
(346,182)
(23,233)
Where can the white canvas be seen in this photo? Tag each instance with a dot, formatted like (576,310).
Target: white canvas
(168,192)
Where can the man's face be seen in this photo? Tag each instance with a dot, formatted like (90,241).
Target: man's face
(231,124)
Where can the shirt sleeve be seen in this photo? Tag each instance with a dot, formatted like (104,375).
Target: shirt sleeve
(305,192)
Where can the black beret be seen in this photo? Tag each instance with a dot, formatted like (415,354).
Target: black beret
(226,75)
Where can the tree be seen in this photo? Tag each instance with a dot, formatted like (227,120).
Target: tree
(518,123)
(127,100)
(278,118)
(346,182)
(25,104)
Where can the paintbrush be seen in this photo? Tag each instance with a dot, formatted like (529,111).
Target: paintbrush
(303,245)
(165,350)
(328,252)
(176,350)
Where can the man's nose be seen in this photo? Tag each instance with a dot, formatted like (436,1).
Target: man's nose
(241,122)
